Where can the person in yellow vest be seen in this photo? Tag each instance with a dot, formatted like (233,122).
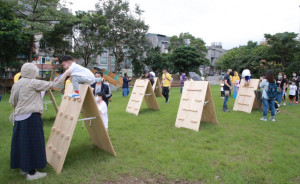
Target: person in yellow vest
(166,84)
(17,77)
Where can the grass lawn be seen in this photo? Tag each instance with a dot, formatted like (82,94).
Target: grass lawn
(240,149)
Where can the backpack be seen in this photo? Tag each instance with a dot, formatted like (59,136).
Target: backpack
(272,90)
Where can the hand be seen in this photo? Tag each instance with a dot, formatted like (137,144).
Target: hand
(170,88)
(230,88)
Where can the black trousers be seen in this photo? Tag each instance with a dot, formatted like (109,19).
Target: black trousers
(165,93)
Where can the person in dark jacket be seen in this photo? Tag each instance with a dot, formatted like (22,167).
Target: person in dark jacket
(125,86)
(99,86)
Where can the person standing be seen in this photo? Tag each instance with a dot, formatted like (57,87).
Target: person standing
(166,84)
(227,88)
(236,82)
(292,93)
(102,107)
(99,86)
(125,86)
(281,86)
(268,97)
(296,79)
(183,78)
(28,143)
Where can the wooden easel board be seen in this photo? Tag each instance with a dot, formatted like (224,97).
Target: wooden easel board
(196,105)
(157,87)
(246,100)
(142,89)
(66,121)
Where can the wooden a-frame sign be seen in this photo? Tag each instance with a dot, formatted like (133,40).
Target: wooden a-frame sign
(246,99)
(157,87)
(142,89)
(196,105)
(65,123)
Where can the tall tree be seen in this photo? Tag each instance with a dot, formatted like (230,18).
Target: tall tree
(284,46)
(88,33)
(38,16)
(13,39)
(126,29)
(187,59)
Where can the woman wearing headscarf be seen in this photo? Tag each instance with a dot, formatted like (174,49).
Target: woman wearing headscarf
(28,142)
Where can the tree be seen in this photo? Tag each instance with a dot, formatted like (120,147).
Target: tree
(38,16)
(13,39)
(284,46)
(88,33)
(59,37)
(186,39)
(126,30)
(155,60)
(257,58)
(187,59)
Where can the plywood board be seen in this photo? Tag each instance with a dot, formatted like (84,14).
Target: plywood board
(157,87)
(112,78)
(53,100)
(65,123)
(142,89)
(246,100)
(196,105)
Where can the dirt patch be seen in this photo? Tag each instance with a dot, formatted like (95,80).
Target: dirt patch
(135,180)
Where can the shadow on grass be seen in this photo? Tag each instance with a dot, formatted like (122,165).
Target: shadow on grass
(143,111)
(207,125)
(87,153)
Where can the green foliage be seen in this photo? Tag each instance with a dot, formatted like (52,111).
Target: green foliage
(187,59)
(155,60)
(285,47)
(257,58)
(38,17)
(127,30)
(186,39)
(13,39)
(88,32)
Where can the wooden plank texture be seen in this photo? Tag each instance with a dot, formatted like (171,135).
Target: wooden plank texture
(66,121)
(246,100)
(157,87)
(142,89)
(191,108)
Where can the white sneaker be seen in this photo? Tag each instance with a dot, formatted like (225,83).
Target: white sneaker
(36,175)
(284,103)
(272,119)
(263,119)
(23,173)
(74,95)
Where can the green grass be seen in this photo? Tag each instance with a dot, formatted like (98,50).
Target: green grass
(240,149)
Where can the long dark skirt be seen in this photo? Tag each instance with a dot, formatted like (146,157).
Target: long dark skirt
(28,144)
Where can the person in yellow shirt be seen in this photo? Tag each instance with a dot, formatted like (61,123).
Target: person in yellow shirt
(235,81)
(166,84)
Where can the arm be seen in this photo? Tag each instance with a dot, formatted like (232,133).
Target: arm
(64,75)
(108,92)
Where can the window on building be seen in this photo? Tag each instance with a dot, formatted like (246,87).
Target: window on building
(103,60)
(112,60)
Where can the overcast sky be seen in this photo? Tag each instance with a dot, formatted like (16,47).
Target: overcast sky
(232,22)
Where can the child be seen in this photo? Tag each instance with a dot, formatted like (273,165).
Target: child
(222,89)
(102,107)
(80,75)
(246,75)
(292,94)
